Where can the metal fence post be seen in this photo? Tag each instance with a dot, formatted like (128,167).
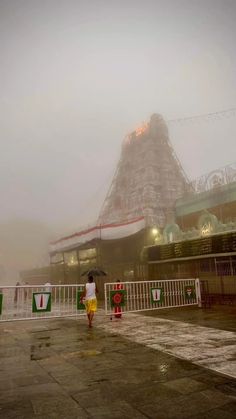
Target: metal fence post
(105,297)
(198,292)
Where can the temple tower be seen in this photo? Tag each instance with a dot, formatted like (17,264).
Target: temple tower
(148,179)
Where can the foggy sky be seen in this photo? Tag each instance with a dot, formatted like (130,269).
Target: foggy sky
(77,76)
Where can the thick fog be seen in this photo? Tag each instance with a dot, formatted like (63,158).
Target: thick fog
(77,76)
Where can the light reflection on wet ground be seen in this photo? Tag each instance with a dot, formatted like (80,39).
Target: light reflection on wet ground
(190,340)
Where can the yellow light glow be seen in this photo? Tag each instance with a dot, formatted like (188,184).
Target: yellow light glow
(141,130)
(154,231)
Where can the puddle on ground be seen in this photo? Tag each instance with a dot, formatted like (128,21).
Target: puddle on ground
(228,388)
(44,330)
(36,353)
(82,354)
(44,338)
(102,380)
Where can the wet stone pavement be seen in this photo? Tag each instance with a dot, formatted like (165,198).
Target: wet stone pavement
(61,369)
(210,347)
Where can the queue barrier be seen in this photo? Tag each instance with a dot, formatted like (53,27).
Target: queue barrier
(31,302)
(137,296)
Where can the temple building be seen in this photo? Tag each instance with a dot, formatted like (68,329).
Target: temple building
(154,223)
(148,180)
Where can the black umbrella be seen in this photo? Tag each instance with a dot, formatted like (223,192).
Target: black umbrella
(94,272)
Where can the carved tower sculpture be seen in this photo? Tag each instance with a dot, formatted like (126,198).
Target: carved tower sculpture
(148,179)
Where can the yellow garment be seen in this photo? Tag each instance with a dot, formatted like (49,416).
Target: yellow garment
(91,305)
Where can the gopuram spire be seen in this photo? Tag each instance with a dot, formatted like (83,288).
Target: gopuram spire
(148,179)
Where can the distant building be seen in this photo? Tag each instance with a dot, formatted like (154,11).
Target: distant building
(114,247)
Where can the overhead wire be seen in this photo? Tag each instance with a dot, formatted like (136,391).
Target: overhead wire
(206,117)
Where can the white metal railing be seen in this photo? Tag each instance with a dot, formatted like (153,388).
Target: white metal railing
(151,295)
(26,302)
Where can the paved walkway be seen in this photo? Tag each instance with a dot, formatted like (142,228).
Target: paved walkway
(209,347)
(61,369)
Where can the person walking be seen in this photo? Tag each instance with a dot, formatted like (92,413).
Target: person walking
(26,291)
(48,286)
(90,299)
(118,286)
(16,296)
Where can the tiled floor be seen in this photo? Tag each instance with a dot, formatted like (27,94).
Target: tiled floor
(121,369)
(209,347)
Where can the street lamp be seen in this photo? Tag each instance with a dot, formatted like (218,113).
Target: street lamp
(154,231)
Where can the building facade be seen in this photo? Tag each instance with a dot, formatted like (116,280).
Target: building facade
(201,243)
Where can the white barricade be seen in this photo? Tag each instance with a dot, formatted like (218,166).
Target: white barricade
(133,296)
(25,302)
